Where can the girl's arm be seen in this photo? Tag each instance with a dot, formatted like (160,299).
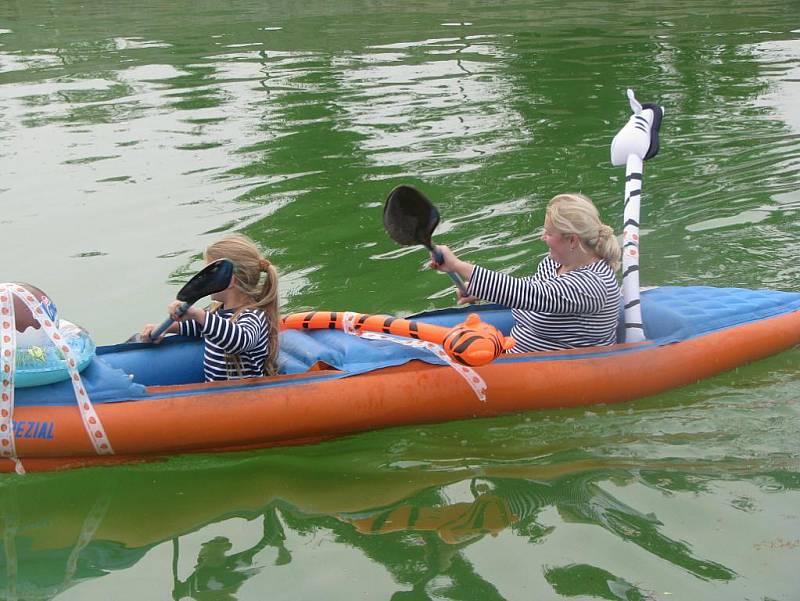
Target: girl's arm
(148,329)
(188,324)
(248,332)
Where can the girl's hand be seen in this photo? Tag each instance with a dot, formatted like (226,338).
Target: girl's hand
(192,312)
(147,330)
(172,311)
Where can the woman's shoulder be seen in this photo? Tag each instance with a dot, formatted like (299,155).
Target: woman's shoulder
(599,271)
(602,268)
(604,275)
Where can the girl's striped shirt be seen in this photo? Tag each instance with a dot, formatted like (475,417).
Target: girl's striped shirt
(551,312)
(245,338)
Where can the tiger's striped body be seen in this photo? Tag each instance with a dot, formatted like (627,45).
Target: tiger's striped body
(469,343)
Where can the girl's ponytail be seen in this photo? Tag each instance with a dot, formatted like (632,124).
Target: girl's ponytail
(268,303)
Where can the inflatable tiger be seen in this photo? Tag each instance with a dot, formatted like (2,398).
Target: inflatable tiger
(472,342)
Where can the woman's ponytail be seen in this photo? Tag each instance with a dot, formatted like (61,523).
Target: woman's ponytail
(607,247)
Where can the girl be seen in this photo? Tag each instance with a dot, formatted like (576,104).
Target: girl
(241,332)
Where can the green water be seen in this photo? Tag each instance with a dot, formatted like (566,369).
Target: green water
(133,134)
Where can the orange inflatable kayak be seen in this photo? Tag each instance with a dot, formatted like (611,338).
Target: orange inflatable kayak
(152,402)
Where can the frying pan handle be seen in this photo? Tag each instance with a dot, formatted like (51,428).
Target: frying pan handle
(155,334)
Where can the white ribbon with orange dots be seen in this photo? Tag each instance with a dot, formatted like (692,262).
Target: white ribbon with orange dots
(8,347)
(475,382)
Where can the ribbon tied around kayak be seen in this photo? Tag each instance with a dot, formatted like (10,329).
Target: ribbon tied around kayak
(91,421)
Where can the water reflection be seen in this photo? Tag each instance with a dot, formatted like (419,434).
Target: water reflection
(218,573)
(418,526)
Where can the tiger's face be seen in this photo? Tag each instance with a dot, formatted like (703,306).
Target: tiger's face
(476,343)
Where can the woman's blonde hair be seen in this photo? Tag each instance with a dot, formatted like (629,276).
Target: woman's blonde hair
(248,265)
(576,214)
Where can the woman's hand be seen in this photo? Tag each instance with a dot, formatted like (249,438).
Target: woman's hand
(451,263)
(466,300)
(448,257)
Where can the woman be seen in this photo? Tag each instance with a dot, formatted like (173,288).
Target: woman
(573,300)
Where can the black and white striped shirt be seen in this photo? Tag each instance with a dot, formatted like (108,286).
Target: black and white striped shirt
(551,312)
(246,338)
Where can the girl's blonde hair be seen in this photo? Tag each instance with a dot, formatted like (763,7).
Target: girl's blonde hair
(248,265)
(576,214)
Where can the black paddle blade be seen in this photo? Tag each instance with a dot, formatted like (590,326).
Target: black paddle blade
(215,277)
(409,217)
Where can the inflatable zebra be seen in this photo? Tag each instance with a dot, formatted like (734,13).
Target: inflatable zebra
(636,142)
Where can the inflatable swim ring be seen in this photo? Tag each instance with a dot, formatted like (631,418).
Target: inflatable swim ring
(37,360)
(44,364)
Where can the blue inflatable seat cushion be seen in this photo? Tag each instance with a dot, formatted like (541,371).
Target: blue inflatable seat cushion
(103,383)
(176,360)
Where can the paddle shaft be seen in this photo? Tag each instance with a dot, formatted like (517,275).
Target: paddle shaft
(156,334)
(439,258)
